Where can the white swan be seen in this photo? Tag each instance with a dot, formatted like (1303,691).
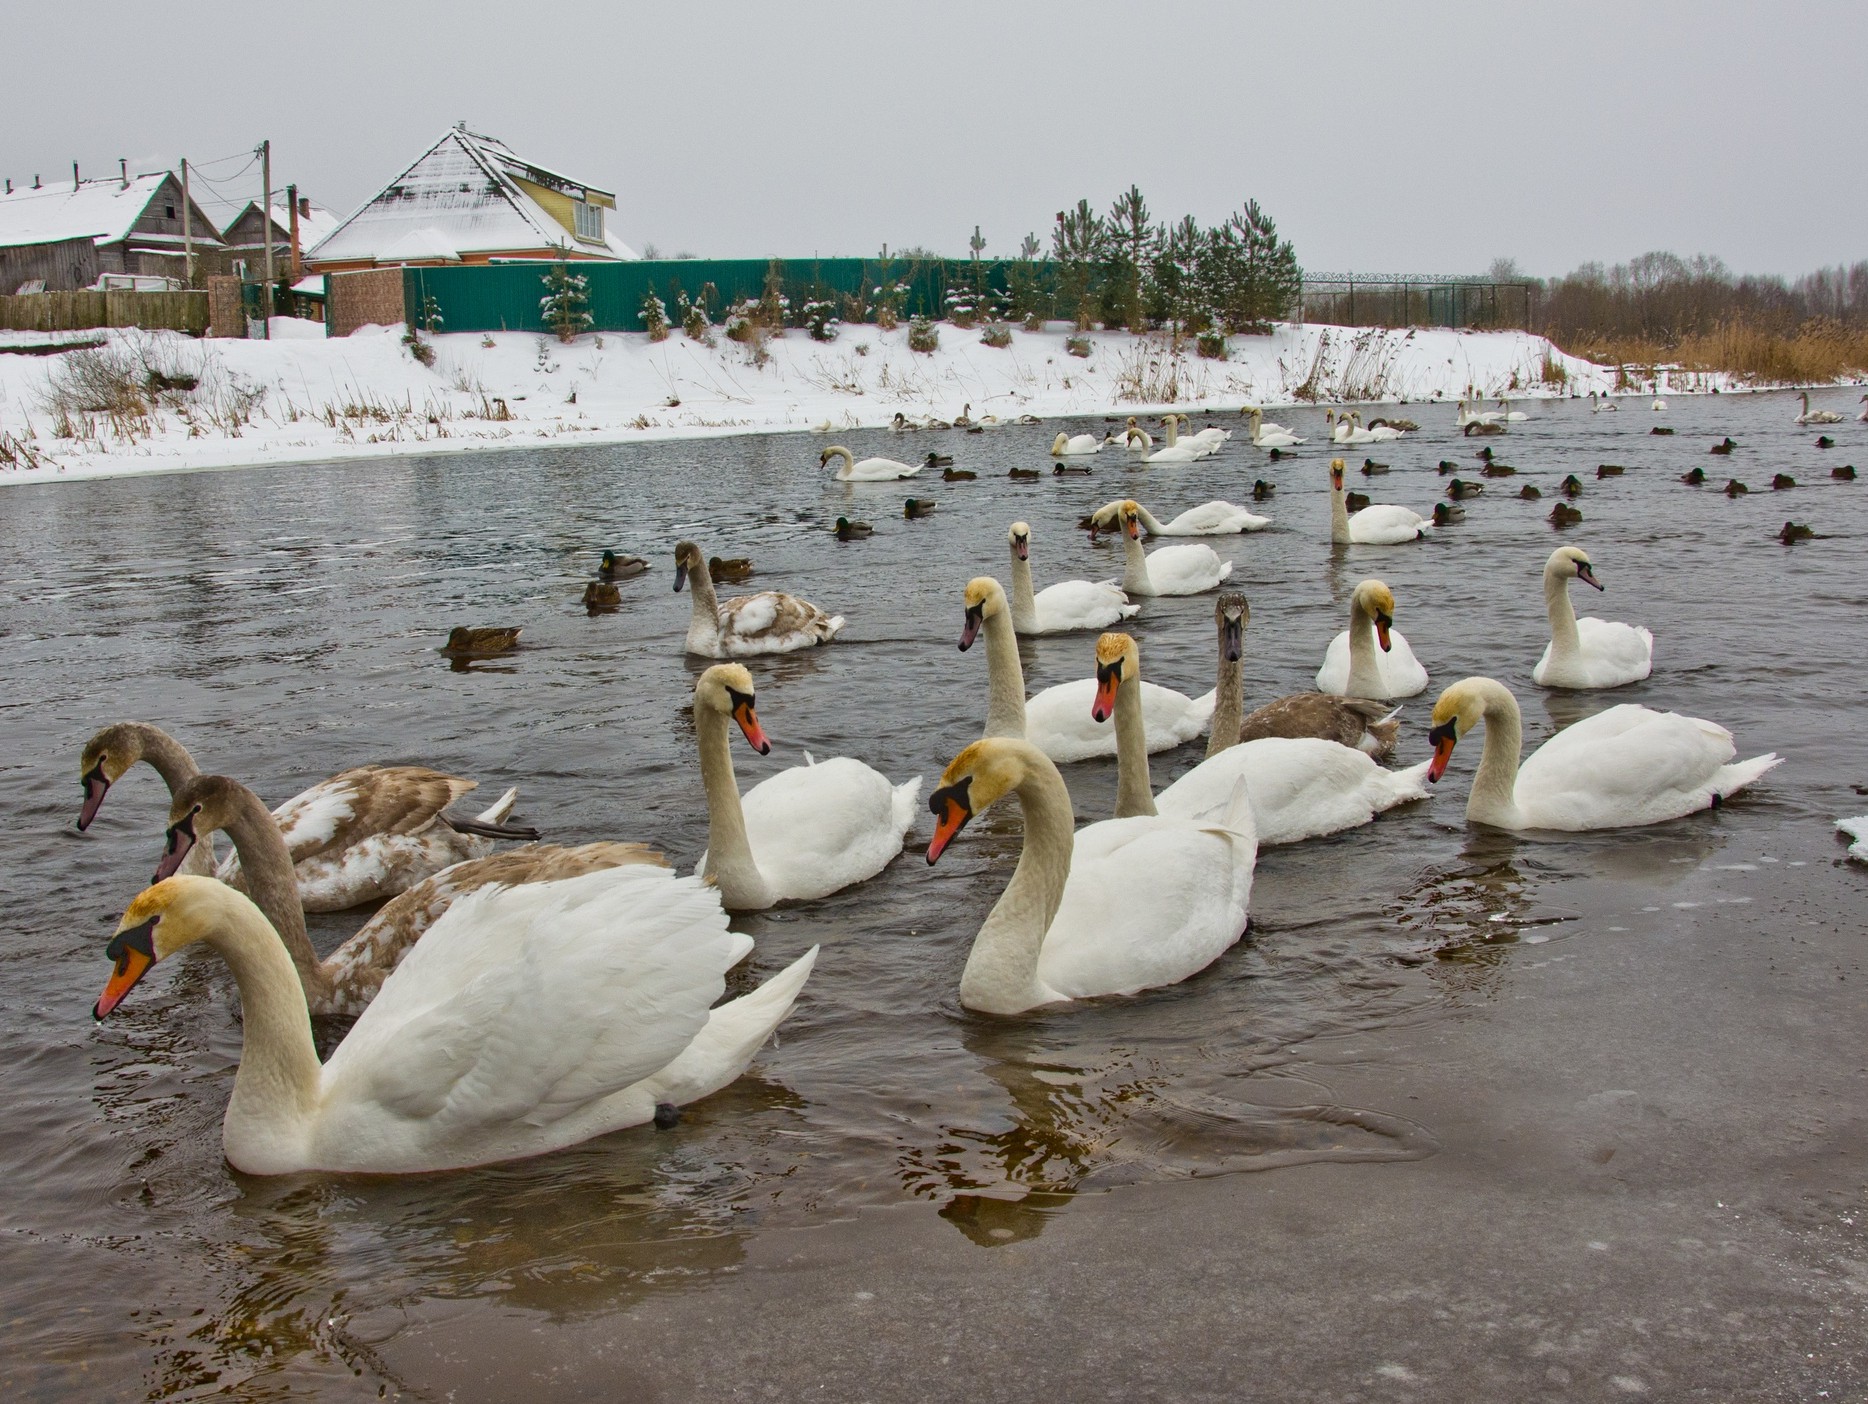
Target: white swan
(1178,450)
(1214,518)
(1602,404)
(360,836)
(1810,416)
(1211,439)
(768,622)
(1379,434)
(1509,415)
(1375,525)
(529,1019)
(869,470)
(1623,767)
(800,834)
(1352,667)
(1586,652)
(1057,720)
(1075,445)
(1467,415)
(1268,436)
(1268,425)
(1067,605)
(1117,907)
(1172,570)
(1300,788)
(344,982)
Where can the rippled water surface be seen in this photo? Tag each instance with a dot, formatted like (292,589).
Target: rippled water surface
(284,624)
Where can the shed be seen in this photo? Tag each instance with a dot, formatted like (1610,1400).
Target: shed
(133,223)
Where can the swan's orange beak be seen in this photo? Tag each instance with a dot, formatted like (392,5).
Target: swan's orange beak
(1383,623)
(748,720)
(134,950)
(1133,526)
(1108,679)
(952,810)
(1444,738)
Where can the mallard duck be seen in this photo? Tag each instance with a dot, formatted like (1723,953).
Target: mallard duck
(1262,489)
(1563,515)
(1370,467)
(615,567)
(1060,469)
(480,640)
(601,596)
(1444,513)
(1497,470)
(1726,447)
(1823,441)
(1486,453)
(1658,430)
(1609,470)
(957,475)
(730,568)
(1276,454)
(1355,501)
(1458,489)
(1844,474)
(1572,486)
(847,530)
(1529,493)
(918,507)
(1446,466)
(1780,481)
(1694,478)
(938,460)
(1794,531)
(1734,488)
(1025,473)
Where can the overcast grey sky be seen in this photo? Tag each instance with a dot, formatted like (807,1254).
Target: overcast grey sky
(1426,137)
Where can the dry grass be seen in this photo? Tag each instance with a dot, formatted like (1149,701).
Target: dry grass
(1818,351)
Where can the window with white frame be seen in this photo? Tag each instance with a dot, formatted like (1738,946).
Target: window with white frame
(589,220)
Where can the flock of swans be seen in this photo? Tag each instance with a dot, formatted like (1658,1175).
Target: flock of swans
(510,1003)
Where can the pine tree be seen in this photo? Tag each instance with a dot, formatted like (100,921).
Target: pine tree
(655,317)
(1079,243)
(566,304)
(1130,235)
(1168,289)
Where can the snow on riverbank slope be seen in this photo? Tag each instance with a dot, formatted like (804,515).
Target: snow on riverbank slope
(300,399)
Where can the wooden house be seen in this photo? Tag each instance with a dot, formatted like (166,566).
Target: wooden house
(471,199)
(245,237)
(133,225)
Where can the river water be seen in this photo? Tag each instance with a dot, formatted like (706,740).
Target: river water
(284,623)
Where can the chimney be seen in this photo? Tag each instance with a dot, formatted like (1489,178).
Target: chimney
(74,175)
(9,185)
(35,182)
(304,206)
(123,168)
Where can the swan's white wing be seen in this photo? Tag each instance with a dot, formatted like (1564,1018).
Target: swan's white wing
(1058,722)
(1149,901)
(1300,787)
(1186,570)
(1402,674)
(1081,604)
(773,622)
(1214,519)
(881,469)
(523,1004)
(819,828)
(1627,765)
(1381,525)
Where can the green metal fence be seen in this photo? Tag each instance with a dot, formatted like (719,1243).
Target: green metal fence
(505,296)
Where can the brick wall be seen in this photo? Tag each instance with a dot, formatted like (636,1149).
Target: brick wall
(373,296)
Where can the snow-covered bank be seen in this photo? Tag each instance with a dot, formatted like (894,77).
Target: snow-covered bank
(293,400)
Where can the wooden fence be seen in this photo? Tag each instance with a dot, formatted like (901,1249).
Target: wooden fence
(80,311)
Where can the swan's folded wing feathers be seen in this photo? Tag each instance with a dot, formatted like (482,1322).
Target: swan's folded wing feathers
(1620,758)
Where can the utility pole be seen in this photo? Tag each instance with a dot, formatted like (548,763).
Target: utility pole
(188,237)
(265,170)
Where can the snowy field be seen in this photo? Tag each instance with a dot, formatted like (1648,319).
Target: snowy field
(301,397)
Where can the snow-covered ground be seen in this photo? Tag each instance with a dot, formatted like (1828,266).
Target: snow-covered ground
(301,397)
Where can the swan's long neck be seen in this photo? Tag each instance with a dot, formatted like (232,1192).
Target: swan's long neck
(1149,520)
(167,756)
(1258,427)
(1228,702)
(1339,515)
(849,460)
(276,1090)
(1134,790)
(1494,787)
(1001,975)
(1135,566)
(1173,429)
(1564,642)
(1005,678)
(1365,669)
(1024,599)
(706,612)
(266,864)
(730,862)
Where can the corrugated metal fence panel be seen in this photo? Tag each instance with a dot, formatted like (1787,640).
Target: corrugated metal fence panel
(505,296)
(82,310)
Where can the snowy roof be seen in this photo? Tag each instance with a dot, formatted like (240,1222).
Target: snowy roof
(464,189)
(312,227)
(103,210)
(421,246)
